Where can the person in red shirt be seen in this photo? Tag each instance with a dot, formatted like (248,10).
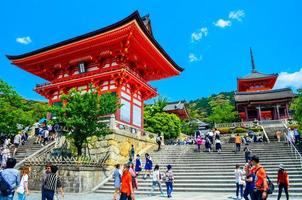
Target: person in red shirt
(126,185)
(282,181)
(261,186)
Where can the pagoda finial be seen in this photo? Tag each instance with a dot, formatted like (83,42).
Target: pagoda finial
(252,60)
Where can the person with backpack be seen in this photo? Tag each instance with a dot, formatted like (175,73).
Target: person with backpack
(9,180)
(22,190)
(247,154)
(158,141)
(282,181)
(156,177)
(208,144)
(261,185)
(169,179)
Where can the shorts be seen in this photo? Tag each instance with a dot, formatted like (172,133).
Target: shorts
(16,145)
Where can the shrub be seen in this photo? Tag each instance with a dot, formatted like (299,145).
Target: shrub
(293,126)
(240,130)
(224,130)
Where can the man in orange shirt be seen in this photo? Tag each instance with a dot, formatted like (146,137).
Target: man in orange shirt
(237,142)
(261,186)
(126,185)
(282,181)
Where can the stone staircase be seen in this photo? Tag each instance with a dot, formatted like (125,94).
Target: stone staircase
(213,172)
(27,149)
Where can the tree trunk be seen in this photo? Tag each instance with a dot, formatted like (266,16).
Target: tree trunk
(79,148)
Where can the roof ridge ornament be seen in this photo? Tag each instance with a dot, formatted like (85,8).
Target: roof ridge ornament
(253,62)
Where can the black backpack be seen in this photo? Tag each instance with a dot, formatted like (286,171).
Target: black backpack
(5,188)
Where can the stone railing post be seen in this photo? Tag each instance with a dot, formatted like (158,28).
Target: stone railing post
(112,121)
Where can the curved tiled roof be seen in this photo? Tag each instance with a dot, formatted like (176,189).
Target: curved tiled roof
(255,75)
(134,16)
(264,95)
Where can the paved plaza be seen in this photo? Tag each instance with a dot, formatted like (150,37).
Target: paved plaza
(176,196)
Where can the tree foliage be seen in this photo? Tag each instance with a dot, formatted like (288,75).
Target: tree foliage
(15,111)
(81,115)
(222,110)
(296,106)
(158,121)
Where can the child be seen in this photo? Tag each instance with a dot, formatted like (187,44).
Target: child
(138,164)
(148,165)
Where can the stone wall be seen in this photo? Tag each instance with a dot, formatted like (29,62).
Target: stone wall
(118,145)
(75,179)
(83,179)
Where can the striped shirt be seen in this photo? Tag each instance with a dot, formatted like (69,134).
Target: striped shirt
(51,181)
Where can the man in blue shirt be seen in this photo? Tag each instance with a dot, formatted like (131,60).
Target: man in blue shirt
(12,177)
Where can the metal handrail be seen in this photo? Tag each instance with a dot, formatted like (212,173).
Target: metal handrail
(265,134)
(294,150)
(18,165)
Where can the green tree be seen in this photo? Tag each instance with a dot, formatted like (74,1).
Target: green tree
(296,106)
(222,110)
(81,115)
(189,127)
(13,111)
(158,121)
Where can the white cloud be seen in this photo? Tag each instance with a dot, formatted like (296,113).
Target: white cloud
(286,79)
(223,23)
(237,15)
(23,40)
(194,58)
(196,36)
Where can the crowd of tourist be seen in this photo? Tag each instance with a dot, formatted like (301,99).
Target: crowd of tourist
(9,145)
(125,176)
(253,182)
(14,182)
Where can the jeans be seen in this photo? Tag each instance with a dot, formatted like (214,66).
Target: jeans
(9,197)
(154,183)
(237,190)
(247,192)
(169,188)
(198,147)
(47,194)
(21,196)
(281,186)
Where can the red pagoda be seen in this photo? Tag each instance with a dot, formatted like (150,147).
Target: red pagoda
(120,58)
(257,100)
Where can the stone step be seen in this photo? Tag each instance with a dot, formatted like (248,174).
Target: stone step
(199,188)
(142,181)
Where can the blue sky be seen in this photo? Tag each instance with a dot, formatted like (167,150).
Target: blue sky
(209,38)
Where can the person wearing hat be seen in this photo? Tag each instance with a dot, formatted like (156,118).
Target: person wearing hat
(282,181)
(261,186)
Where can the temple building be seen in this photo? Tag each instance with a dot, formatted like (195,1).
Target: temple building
(178,108)
(121,58)
(256,99)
